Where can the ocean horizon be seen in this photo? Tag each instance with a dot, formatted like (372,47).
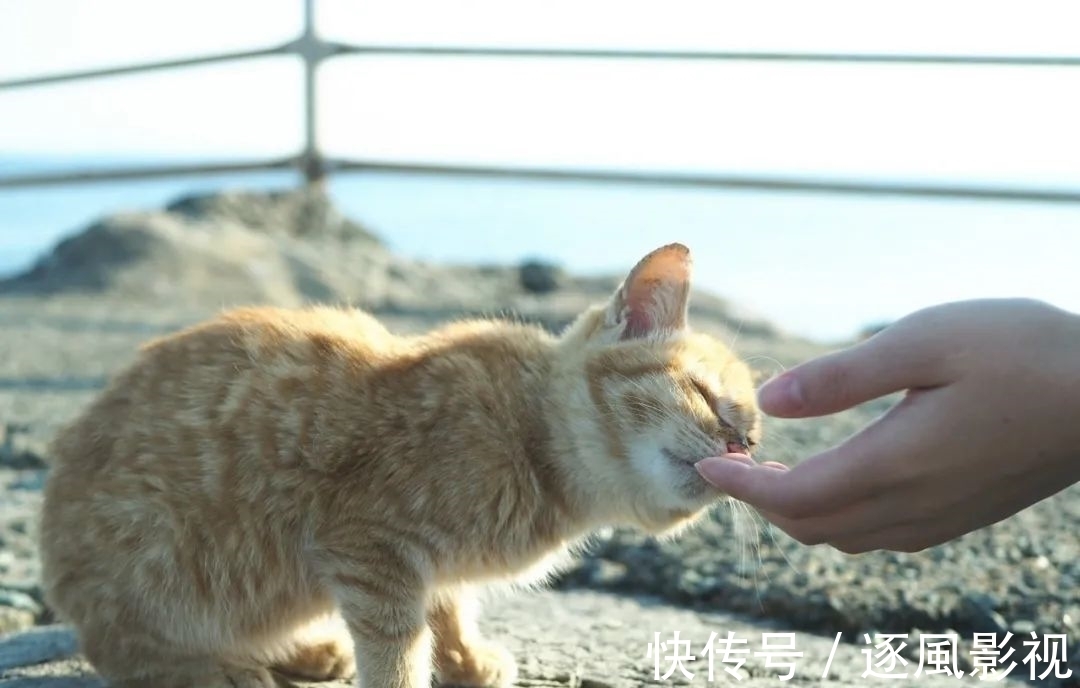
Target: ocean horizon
(823,266)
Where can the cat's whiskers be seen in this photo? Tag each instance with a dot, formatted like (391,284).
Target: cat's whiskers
(756,543)
(740,526)
(769,528)
(738,331)
(764,357)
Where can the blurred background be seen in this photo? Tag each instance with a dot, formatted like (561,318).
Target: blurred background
(776,125)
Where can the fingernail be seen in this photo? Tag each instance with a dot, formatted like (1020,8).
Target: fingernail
(719,469)
(783,393)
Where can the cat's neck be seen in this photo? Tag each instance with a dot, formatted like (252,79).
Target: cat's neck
(469,426)
(472,411)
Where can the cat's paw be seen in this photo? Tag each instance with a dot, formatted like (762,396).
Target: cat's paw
(477,665)
(321,661)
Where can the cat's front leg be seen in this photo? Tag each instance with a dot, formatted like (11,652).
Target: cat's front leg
(386,613)
(462,656)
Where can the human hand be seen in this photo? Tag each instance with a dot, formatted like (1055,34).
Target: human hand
(990,424)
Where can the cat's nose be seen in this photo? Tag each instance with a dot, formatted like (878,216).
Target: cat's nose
(737,448)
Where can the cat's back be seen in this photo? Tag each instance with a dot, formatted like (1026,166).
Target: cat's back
(185,468)
(186,392)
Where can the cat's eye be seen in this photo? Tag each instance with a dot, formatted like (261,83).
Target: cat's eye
(712,402)
(710,399)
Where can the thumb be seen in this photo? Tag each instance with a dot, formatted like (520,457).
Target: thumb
(905,356)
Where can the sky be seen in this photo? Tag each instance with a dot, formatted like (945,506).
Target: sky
(819,265)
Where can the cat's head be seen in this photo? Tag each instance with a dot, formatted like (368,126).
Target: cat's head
(650,397)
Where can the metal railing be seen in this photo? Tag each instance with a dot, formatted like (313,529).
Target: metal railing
(314,165)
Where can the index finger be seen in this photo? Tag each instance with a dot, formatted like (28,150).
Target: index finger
(867,464)
(913,353)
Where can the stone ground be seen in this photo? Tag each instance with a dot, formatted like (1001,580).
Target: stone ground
(574,639)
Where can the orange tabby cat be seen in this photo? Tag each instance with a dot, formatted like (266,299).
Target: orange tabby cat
(286,490)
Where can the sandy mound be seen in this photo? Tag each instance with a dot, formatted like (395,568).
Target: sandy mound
(237,247)
(292,248)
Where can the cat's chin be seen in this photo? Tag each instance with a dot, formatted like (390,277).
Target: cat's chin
(691,488)
(673,523)
(690,499)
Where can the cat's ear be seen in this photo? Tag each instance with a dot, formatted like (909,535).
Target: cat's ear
(654,295)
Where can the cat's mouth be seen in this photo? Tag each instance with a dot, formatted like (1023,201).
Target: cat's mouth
(690,460)
(738,447)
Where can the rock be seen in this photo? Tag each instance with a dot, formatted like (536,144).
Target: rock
(36,646)
(539,277)
(29,480)
(607,574)
(303,212)
(1071,619)
(206,252)
(284,248)
(1023,627)
(13,452)
(13,620)
(16,599)
(981,609)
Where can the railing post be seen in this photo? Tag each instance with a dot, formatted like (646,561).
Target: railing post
(312,52)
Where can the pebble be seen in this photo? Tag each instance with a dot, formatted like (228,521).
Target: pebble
(13,620)
(539,277)
(608,573)
(1023,627)
(19,600)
